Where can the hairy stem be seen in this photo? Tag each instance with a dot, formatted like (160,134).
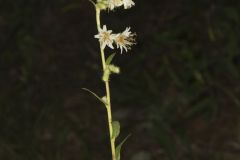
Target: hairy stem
(108,104)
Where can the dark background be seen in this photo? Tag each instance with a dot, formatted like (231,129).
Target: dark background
(178,93)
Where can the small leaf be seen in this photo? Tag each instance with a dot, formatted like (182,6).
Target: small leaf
(116,129)
(94,94)
(118,148)
(110,58)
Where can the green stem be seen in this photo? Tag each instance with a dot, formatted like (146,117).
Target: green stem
(108,95)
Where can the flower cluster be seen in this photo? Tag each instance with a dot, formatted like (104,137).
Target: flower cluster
(105,37)
(118,3)
(122,40)
(112,4)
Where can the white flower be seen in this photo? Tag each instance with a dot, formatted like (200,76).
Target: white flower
(125,39)
(128,4)
(105,37)
(114,3)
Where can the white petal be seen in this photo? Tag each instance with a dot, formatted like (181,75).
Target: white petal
(111,46)
(128,4)
(104,28)
(121,48)
(97,36)
(125,48)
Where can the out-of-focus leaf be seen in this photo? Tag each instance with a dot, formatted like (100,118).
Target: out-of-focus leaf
(116,129)
(72,7)
(119,147)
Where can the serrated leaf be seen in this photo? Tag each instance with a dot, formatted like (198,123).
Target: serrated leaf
(118,148)
(95,95)
(116,129)
(110,58)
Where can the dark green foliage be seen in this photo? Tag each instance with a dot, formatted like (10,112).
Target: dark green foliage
(179,92)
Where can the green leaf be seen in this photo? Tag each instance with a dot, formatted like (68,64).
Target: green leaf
(116,129)
(95,95)
(110,58)
(118,148)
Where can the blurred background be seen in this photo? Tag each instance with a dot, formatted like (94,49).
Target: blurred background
(178,93)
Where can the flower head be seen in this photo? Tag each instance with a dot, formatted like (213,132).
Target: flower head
(105,37)
(114,3)
(125,39)
(128,4)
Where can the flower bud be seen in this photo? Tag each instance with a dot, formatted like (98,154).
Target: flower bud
(114,69)
(104,99)
(106,75)
(102,4)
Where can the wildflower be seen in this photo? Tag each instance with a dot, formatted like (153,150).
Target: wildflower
(124,40)
(114,3)
(105,37)
(128,4)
